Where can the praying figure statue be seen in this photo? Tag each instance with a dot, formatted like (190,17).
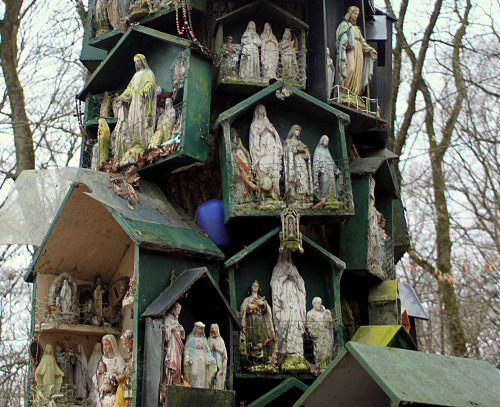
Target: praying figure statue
(165,125)
(66,297)
(200,366)
(288,54)
(298,174)
(81,374)
(250,44)
(140,98)
(265,148)
(327,177)
(173,334)
(330,72)
(269,52)
(354,56)
(49,376)
(231,55)
(289,305)
(319,324)
(218,348)
(92,364)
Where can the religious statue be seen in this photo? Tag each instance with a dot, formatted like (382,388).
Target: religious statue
(288,54)
(98,297)
(173,334)
(327,177)
(125,380)
(257,338)
(330,74)
(66,297)
(59,356)
(68,366)
(178,72)
(354,56)
(108,391)
(218,348)
(140,97)
(241,163)
(376,235)
(231,55)
(105,105)
(165,125)
(48,375)
(103,139)
(94,359)
(115,364)
(298,174)
(121,138)
(289,306)
(250,44)
(81,374)
(200,366)
(319,324)
(98,382)
(269,51)
(100,14)
(265,148)
(118,12)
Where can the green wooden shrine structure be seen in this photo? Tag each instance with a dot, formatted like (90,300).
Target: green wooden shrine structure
(132,231)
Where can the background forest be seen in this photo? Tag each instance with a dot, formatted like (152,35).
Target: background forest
(445,126)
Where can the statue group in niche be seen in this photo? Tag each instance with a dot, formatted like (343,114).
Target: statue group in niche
(257,173)
(261,57)
(199,362)
(272,334)
(354,56)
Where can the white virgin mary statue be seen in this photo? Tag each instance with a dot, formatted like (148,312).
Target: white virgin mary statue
(115,364)
(250,43)
(289,305)
(269,51)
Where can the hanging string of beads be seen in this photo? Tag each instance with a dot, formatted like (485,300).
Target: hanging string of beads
(80,121)
(36,354)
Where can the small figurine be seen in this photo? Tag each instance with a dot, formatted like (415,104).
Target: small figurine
(330,72)
(125,380)
(319,324)
(269,52)
(115,364)
(231,55)
(265,148)
(165,125)
(298,174)
(354,68)
(250,44)
(289,306)
(327,178)
(178,72)
(59,356)
(218,348)
(140,96)
(199,365)
(98,294)
(241,165)
(98,382)
(81,374)
(288,54)
(108,391)
(257,338)
(48,375)
(103,139)
(173,334)
(68,366)
(93,362)
(105,105)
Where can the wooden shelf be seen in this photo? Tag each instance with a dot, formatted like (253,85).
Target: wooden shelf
(54,327)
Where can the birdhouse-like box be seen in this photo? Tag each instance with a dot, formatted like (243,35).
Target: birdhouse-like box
(258,42)
(366,240)
(200,299)
(180,71)
(108,20)
(282,146)
(131,252)
(253,273)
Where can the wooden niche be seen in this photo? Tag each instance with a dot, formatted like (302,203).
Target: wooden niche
(166,55)
(246,192)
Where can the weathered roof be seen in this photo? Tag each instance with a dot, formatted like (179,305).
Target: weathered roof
(383,152)
(289,95)
(393,336)
(308,243)
(405,377)
(409,300)
(379,167)
(272,12)
(186,280)
(93,220)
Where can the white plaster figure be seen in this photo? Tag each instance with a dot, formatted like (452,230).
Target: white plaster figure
(330,72)
(81,374)
(231,55)
(98,377)
(269,51)
(288,54)
(289,305)
(115,364)
(48,375)
(174,334)
(93,361)
(319,324)
(241,165)
(66,297)
(266,150)
(218,348)
(298,174)
(199,365)
(250,44)
(327,177)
